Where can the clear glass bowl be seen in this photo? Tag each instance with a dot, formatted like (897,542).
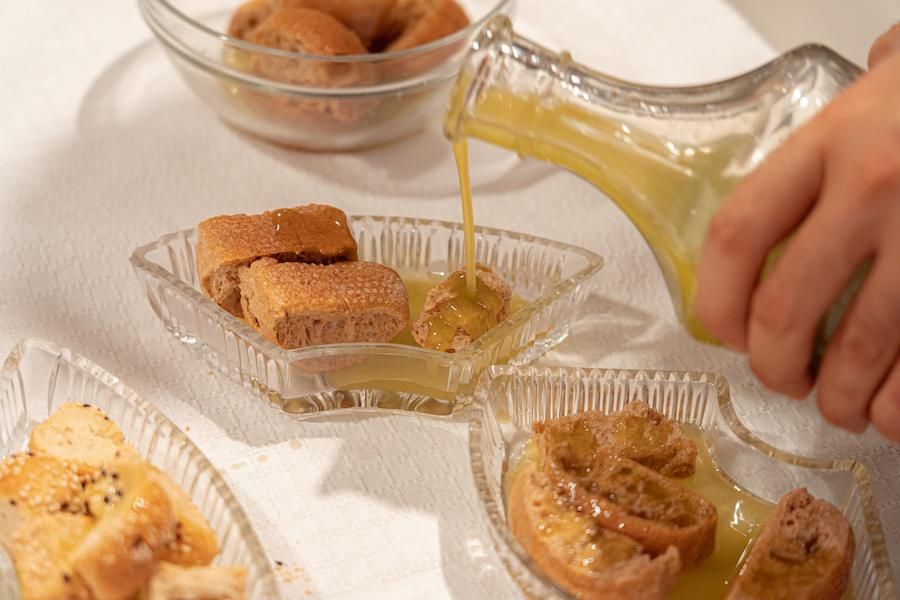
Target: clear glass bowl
(361,100)
(553,278)
(509,399)
(38,377)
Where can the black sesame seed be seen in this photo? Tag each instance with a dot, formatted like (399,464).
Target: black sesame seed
(105,499)
(12,502)
(67,578)
(115,475)
(86,405)
(119,493)
(105,418)
(64,506)
(103,472)
(279,563)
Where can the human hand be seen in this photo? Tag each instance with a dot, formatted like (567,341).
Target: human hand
(836,185)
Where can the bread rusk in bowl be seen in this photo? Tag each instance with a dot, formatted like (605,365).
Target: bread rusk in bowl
(772,540)
(296,304)
(313,233)
(590,561)
(450,321)
(624,495)
(804,552)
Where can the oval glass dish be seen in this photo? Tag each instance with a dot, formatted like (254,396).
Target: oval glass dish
(318,102)
(38,377)
(551,279)
(509,399)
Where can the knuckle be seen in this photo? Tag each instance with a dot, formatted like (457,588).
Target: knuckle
(870,334)
(776,374)
(830,408)
(728,231)
(774,309)
(880,177)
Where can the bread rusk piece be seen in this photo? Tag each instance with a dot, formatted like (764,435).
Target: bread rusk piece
(637,432)
(83,434)
(39,545)
(248,17)
(804,552)
(296,304)
(588,560)
(172,582)
(119,554)
(628,497)
(450,321)
(372,20)
(424,21)
(313,233)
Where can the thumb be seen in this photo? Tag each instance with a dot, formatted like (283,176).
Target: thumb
(885,45)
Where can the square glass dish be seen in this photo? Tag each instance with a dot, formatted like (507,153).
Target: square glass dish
(38,377)
(550,279)
(509,399)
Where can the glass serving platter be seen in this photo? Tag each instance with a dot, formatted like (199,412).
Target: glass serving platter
(509,399)
(38,377)
(551,279)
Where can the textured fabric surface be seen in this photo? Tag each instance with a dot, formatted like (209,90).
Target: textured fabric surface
(103,148)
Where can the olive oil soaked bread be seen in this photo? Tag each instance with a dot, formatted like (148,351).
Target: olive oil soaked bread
(637,432)
(313,233)
(622,493)
(296,304)
(450,321)
(804,552)
(590,561)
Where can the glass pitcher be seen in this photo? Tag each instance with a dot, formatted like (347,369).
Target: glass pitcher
(668,157)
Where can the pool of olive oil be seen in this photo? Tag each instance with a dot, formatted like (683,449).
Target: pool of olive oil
(740,517)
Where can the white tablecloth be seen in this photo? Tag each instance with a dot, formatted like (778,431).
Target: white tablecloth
(103,148)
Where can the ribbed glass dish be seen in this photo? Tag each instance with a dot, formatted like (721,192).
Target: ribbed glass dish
(509,399)
(38,377)
(552,278)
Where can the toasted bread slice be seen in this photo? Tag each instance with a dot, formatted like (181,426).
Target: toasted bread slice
(451,321)
(637,432)
(172,582)
(39,545)
(296,305)
(119,554)
(84,435)
(624,495)
(314,233)
(804,552)
(587,559)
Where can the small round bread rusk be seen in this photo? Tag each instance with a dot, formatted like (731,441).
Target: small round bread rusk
(422,21)
(372,20)
(312,32)
(248,17)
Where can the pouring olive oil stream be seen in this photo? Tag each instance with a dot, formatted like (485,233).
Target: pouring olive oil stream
(668,157)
